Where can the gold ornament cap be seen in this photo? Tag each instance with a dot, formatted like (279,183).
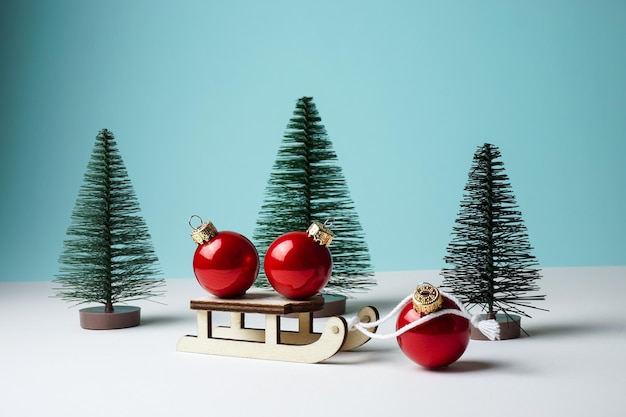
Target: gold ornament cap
(320,233)
(203,233)
(427,298)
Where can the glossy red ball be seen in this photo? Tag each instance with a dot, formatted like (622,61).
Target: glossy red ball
(227,265)
(296,266)
(436,343)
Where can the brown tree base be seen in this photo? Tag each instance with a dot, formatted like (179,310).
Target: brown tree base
(334,305)
(509,327)
(94,318)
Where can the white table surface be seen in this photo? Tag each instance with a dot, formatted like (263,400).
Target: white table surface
(573,363)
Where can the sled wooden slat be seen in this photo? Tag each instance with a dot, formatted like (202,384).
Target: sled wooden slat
(258,303)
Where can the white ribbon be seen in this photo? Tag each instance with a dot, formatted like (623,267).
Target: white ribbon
(490,328)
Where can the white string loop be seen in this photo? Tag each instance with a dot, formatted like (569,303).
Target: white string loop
(490,328)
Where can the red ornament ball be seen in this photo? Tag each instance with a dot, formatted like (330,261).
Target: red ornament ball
(297,266)
(226,265)
(436,343)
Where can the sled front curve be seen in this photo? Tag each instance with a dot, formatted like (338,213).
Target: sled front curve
(355,338)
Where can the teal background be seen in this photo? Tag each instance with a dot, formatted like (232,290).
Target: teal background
(198,95)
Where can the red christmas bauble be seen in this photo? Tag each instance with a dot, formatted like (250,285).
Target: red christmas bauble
(436,343)
(226,265)
(297,266)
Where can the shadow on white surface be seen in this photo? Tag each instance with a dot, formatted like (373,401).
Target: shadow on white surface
(560,330)
(161,319)
(463,366)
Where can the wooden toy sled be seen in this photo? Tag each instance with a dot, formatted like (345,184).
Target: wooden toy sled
(303,345)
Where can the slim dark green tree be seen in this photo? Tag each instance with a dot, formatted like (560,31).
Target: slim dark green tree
(107,256)
(307,185)
(490,254)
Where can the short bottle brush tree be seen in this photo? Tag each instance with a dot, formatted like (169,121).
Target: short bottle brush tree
(306,184)
(107,257)
(490,255)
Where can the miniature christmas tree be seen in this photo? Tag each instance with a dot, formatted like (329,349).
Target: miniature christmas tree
(107,257)
(490,252)
(307,185)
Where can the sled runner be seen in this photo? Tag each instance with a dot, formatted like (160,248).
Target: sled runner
(272,343)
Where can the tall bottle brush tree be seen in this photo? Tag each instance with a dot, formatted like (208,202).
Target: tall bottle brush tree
(307,185)
(490,254)
(107,256)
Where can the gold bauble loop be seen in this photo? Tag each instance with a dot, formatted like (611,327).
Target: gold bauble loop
(203,233)
(320,234)
(427,298)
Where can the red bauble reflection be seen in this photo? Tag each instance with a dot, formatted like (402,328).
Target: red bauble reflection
(296,266)
(226,265)
(436,343)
